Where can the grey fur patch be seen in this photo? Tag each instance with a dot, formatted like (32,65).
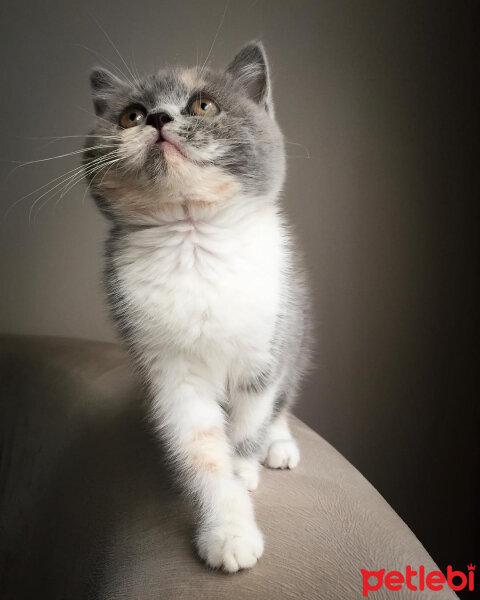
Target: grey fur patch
(253,445)
(249,447)
(280,404)
(257,384)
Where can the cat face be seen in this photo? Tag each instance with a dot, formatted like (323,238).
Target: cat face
(184,135)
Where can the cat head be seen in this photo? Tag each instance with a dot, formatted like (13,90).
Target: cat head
(184,136)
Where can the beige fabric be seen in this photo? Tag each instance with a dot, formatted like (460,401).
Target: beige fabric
(88,511)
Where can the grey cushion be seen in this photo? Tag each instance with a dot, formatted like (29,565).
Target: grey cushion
(89,510)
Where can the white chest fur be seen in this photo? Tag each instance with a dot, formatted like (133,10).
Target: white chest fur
(207,285)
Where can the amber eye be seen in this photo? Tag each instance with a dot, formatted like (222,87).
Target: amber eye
(132,116)
(203,107)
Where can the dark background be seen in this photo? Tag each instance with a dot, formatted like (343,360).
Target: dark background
(378,96)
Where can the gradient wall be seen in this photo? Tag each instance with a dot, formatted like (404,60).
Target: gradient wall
(376,103)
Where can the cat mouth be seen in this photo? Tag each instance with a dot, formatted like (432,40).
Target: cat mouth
(169,144)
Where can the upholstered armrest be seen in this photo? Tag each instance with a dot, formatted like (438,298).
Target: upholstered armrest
(89,511)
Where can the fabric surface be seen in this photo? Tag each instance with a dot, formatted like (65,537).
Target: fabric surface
(89,511)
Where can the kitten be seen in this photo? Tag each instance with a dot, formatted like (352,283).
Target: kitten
(202,278)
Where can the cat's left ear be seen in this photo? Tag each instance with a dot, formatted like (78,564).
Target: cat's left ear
(104,86)
(250,69)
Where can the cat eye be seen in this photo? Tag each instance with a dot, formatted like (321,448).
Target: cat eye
(132,116)
(203,107)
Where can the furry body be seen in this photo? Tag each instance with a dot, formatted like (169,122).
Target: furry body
(206,289)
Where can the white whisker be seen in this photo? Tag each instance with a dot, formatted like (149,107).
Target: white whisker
(111,64)
(93,114)
(81,151)
(63,137)
(90,167)
(68,184)
(216,36)
(132,80)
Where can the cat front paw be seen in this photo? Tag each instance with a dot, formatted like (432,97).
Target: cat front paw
(282,454)
(231,546)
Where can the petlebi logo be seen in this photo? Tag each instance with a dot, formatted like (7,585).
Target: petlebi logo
(418,580)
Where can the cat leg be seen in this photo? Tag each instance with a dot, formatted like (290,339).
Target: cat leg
(282,450)
(191,423)
(250,414)
(247,468)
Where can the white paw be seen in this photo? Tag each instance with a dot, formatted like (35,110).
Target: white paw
(282,454)
(232,546)
(247,470)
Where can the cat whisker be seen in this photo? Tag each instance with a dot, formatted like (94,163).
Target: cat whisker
(114,162)
(63,137)
(68,184)
(133,81)
(134,67)
(87,169)
(61,179)
(300,146)
(96,170)
(81,151)
(215,37)
(63,176)
(88,112)
(111,64)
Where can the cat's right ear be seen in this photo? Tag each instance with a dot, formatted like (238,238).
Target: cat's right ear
(250,69)
(104,85)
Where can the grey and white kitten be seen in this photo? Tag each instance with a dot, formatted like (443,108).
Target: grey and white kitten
(202,278)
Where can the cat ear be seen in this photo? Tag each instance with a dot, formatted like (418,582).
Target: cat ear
(104,85)
(250,69)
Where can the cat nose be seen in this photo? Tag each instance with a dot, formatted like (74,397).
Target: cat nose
(158,120)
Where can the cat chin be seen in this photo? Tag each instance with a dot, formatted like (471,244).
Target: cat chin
(186,180)
(183,183)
